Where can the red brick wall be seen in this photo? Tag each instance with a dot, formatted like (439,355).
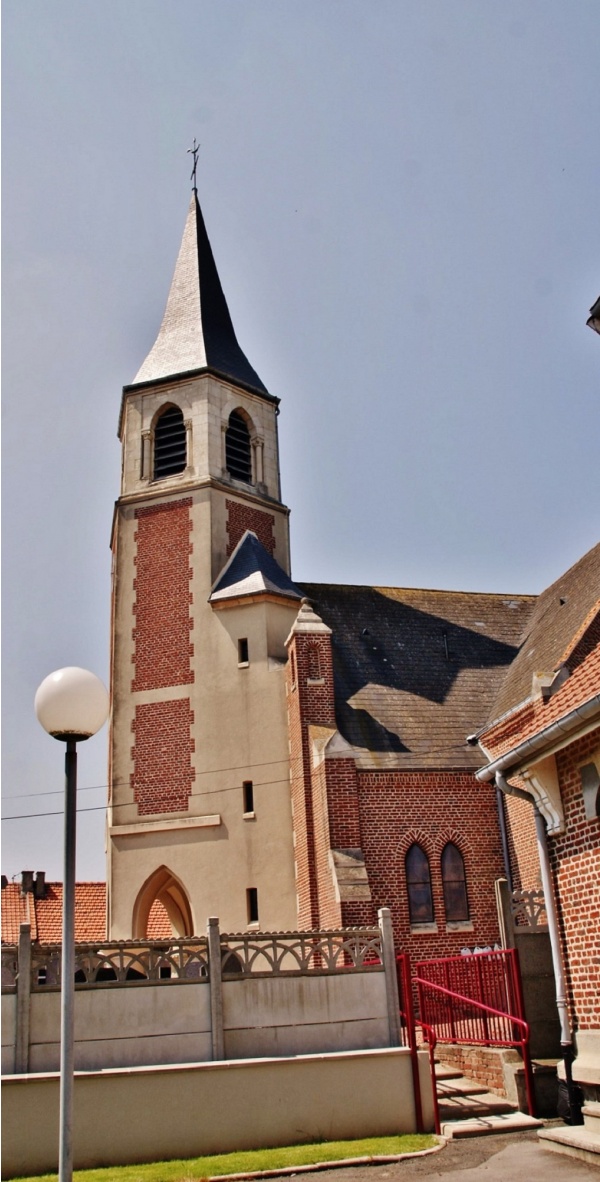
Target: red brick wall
(522,843)
(241,517)
(308,704)
(483,1064)
(163,598)
(398,808)
(162,754)
(575,860)
(343,803)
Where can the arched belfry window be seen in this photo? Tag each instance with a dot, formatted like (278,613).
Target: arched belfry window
(169,443)
(418,881)
(238,458)
(454,879)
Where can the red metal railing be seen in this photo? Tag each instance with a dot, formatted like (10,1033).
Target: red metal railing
(409,1039)
(476,999)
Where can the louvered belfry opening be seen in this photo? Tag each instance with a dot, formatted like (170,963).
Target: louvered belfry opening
(169,443)
(238,458)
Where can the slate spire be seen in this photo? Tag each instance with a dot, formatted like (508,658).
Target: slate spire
(196,330)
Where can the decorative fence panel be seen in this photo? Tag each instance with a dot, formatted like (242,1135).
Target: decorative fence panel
(244,995)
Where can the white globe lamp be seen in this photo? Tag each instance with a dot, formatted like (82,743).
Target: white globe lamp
(71,704)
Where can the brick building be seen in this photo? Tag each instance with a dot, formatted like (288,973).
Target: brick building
(280,755)
(542,745)
(287,756)
(284,755)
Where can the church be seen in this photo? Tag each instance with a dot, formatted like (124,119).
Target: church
(285,756)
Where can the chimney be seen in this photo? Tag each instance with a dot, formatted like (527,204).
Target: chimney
(26,882)
(40,885)
(4,881)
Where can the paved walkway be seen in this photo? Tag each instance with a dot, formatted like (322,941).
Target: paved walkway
(517,1157)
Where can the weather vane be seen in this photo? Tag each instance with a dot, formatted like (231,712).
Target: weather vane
(194,152)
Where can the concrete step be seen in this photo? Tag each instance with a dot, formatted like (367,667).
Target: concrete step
(509,1122)
(459,1087)
(574,1141)
(465,1106)
(591,1116)
(442,1072)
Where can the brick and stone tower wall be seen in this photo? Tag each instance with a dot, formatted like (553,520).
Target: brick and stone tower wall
(199,808)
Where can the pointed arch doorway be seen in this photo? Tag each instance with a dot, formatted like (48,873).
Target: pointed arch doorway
(162,909)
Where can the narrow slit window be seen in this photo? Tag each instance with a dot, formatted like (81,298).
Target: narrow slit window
(170,451)
(454,879)
(314,662)
(252,904)
(248,791)
(243,651)
(418,881)
(238,456)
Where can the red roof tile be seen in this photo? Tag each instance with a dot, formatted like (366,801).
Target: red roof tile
(159,924)
(536,714)
(45,915)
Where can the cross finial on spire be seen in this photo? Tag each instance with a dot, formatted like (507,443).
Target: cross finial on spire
(194,152)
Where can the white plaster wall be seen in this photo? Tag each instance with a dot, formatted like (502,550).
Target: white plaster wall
(153,1114)
(301,1015)
(123,1027)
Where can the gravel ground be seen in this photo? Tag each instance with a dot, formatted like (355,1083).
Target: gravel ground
(510,1157)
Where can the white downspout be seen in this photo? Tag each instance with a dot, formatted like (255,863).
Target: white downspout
(566,1037)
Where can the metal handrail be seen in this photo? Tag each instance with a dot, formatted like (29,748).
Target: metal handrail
(489,1040)
(407,1016)
(431,1040)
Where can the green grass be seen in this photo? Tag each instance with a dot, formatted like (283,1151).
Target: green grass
(252,1159)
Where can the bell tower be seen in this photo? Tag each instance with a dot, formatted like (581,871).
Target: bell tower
(199,807)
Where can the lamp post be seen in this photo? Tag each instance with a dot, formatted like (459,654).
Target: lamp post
(71,705)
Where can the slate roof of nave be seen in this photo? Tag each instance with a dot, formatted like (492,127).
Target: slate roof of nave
(561,613)
(416,671)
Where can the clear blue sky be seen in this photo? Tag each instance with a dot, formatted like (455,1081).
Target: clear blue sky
(402,198)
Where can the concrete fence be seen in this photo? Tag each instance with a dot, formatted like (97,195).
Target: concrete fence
(209,1045)
(156,1113)
(243,996)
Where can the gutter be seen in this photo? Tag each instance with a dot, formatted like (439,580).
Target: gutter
(553,734)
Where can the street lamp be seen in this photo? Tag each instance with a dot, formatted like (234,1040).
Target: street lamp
(71,705)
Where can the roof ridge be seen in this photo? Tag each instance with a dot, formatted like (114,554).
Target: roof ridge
(429,590)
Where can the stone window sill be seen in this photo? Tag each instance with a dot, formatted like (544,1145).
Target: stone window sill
(315,681)
(459,925)
(248,816)
(417,928)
